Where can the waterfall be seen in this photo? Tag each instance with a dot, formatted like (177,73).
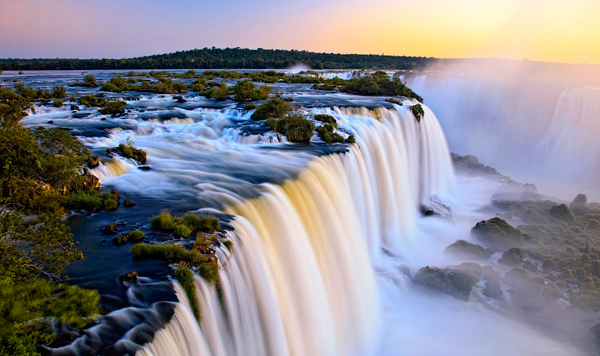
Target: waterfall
(302,278)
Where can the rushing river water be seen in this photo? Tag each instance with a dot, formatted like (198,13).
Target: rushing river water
(323,234)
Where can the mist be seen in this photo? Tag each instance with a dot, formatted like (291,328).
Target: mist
(536,122)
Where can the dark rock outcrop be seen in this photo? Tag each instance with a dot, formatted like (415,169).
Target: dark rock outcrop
(110,228)
(455,283)
(93,162)
(91,182)
(119,240)
(513,256)
(492,289)
(467,251)
(129,277)
(128,203)
(497,234)
(561,212)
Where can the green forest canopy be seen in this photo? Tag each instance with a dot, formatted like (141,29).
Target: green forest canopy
(227,58)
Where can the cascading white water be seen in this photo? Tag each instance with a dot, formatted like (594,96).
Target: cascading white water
(547,131)
(302,278)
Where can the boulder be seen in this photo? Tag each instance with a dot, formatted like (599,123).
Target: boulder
(114,192)
(110,228)
(455,283)
(74,107)
(579,205)
(129,277)
(497,234)
(93,162)
(120,240)
(489,273)
(513,256)
(467,251)
(207,250)
(180,99)
(128,203)
(561,212)
(91,182)
(492,289)
(468,267)
(516,276)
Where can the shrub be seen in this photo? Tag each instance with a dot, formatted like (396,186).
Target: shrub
(181,229)
(90,81)
(59,92)
(272,108)
(209,271)
(136,236)
(185,277)
(417,111)
(296,127)
(57,103)
(168,253)
(107,196)
(326,134)
(228,244)
(249,107)
(163,222)
(127,150)
(327,119)
(351,139)
(110,204)
(113,108)
(83,201)
(179,87)
(209,224)
(198,85)
(192,220)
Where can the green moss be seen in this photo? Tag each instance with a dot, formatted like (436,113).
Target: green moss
(185,277)
(135,236)
(497,234)
(182,230)
(457,284)
(57,103)
(110,204)
(192,220)
(228,244)
(561,212)
(466,250)
(418,112)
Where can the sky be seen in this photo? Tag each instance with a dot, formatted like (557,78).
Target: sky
(541,30)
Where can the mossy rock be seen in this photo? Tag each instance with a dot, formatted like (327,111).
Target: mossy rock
(455,283)
(467,251)
(492,289)
(561,212)
(497,234)
(513,256)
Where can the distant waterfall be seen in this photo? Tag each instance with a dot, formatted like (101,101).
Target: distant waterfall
(301,280)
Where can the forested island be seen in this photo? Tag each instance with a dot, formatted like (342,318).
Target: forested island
(227,58)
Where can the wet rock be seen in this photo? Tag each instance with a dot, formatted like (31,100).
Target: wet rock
(50,122)
(128,203)
(80,115)
(467,251)
(110,228)
(468,267)
(497,234)
(457,284)
(114,192)
(180,99)
(516,276)
(561,212)
(492,289)
(207,250)
(119,240)
(93,162)
(530,266)
(91,182)
(579,205)
(489,273)
(74,107)
(144,168)
(129,277)
(513,256)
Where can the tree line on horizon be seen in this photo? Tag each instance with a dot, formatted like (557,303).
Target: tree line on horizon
(227,58)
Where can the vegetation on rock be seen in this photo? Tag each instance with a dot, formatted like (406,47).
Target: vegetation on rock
(466,250)
(272,109)
(497,234)
(295,127)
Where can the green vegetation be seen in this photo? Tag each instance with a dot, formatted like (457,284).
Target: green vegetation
(326,133)
(90,81)
(207,268)
(294,126)
(229,245)
(249,107)
(216,58)
(92,101)
(57,103)
(497,234)
(417,111)
(219,93)
(110,204)
(186,225)
(394,101)
(59,92)
(326,119)
(39,167)
(113,108)
(135,236)
(272,108)
(378,83)
(245,90)
(128,150)
(83,200)
(185,277)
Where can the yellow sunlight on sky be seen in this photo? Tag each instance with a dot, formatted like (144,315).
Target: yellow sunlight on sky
(555,30)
